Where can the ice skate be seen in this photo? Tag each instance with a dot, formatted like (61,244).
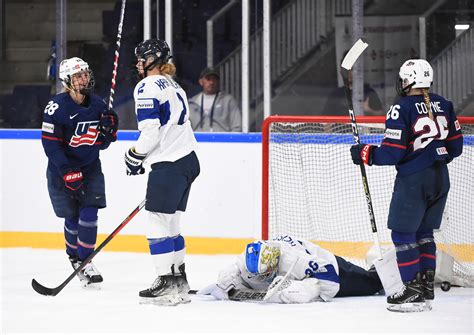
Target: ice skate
(183,286)
(163,291)
(408,299)
(89,276)
(427,285)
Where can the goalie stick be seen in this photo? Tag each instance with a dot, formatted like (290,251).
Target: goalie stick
(240,294)
(54,291)
(347,63)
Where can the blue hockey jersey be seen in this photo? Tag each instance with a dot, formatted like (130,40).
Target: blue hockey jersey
(70,134)
(412,141)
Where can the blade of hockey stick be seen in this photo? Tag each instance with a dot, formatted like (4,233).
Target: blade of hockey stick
(54,291)
(353,54)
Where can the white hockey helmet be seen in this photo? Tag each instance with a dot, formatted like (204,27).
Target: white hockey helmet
(261,259)
(71,66)
(414,73)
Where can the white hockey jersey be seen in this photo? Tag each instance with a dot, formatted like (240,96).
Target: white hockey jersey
(305,259)
(162,111)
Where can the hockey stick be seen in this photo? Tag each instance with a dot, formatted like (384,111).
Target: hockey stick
(239,294)
(119,37)
(347,63)
(54,291)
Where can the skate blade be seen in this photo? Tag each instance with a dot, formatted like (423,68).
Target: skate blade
(428,306)
(184,298)
(407,307)
(90,286)
(160,301)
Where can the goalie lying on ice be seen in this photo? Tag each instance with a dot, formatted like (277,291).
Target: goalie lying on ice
(303,272)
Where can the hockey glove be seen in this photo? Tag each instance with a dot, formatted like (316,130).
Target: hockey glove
(73,183)
(134,162)
(108,125)
(362,153)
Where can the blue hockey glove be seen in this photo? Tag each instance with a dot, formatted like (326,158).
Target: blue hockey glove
(108,125)
(134,162)
(73,183)
(362,153)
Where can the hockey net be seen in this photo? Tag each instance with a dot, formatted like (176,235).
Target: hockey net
(312,190)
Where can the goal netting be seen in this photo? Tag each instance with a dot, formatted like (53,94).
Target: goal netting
(312,190)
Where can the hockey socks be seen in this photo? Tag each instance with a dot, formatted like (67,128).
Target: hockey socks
(87,232)
(427,247)
(70,235)
(408,255)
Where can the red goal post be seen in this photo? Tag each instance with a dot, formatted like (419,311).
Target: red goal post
(311,189)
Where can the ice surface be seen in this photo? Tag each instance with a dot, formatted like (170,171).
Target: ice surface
(115,308)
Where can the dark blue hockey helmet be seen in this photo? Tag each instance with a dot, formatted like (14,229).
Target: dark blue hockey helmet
(158,49)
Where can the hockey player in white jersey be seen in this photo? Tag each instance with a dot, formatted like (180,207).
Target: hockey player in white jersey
(166,145)
(301,271)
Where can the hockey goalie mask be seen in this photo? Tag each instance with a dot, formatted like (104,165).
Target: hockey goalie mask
(262,259)
(414,73)
(75,66)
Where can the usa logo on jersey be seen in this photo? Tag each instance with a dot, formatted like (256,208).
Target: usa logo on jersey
(86,134)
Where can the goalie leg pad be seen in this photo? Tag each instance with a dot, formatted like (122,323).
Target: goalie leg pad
(388,272)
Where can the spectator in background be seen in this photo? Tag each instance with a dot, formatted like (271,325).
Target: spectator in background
(212,109)
(336,104)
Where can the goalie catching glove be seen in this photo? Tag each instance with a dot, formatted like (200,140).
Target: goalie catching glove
(362,153)
(134,162)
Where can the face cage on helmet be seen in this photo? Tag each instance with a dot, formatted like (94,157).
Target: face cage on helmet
(265,277)
(86,90)
(157,61)
(402,91)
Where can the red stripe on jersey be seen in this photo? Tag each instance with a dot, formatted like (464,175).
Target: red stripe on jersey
(51,138)
(394,145)
(454,137)
(409,263)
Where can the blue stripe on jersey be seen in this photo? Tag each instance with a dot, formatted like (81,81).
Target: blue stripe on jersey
(148,109)
(165,113)
(329,275)
(132,135)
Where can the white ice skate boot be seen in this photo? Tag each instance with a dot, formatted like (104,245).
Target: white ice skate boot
(89,276)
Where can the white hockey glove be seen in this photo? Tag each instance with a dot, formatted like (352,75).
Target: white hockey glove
(215,291)
(295,291)
(230,278)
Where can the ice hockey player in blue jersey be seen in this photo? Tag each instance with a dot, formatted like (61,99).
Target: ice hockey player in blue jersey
(303,272)
(76,126)
(422,135)
(165,146)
